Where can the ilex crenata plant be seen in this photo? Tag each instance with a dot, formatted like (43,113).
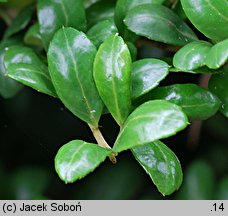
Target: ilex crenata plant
(84,53)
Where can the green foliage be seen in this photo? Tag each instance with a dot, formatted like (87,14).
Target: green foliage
(84,53)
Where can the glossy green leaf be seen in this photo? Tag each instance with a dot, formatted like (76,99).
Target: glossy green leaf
(53,14)
(23,65)
(218,85)
(101,10)
(197,102)
(70,60)
(201,70)
(77,158)
(218,55)
(123,6)
(159,23)
(32,36)
(161,164)
(222,189)
(208,16)
(192,55)
(101,31)
(8,86)
(146,75)
(151,121)
(198,182)
(20,22)
(112,68)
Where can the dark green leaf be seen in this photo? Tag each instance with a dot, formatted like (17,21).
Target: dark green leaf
(159,23)
(151,121)
(222,189)
(161,164)
(196,102)
(218,55)
(146,75)
(23,65)
(218,85)
(101,10)
(20,22)
(77,158)
(53,14)
(33,37)
(208,16)
(112,67)
(70,59)
(8,86)
(133,50)
(123,6)
(192,55)
(198,182)
(101,31)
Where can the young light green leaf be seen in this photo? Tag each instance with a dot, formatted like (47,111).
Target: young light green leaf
(197,102)
(218,85)
(70,60)
(161,164)
(151,121)
(146,75)
(218,55)
(23,65)
(159,23)
(8,86)
(53,14)
(192,55)
(20,22)
(99,11)
(123,6)
(112,68)
(77,158)
(101,31)
(33,37)
(208,16)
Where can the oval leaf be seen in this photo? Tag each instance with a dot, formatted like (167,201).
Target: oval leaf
(192,55)
(208,16)
(196,102)
(112,67)
(159,23)
(101,31)
(122,7)
(99,11)
(23,65)
(8,86)
(218,55)
(77,158)
(161,164)
(151,121)
(70,59)
(218,85)
(20,22)
(146,75)
(33,37)
(53,14)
